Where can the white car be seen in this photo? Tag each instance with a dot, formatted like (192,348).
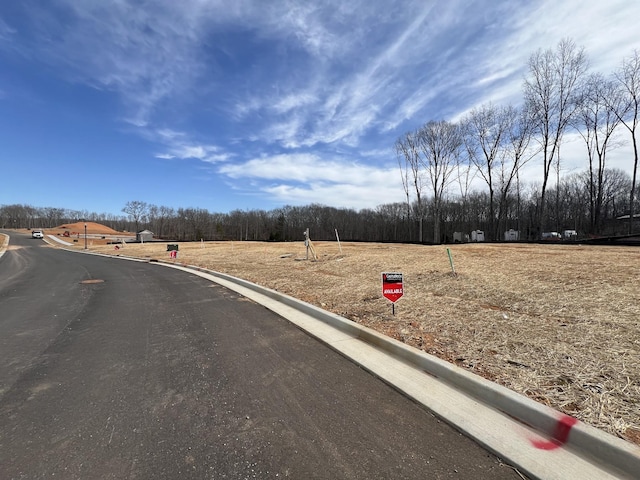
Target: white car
(37,234)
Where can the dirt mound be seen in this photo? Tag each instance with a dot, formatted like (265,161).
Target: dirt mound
(92,228)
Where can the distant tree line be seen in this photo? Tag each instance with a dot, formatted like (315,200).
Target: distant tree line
(439,160)
(438,163)
(393,222)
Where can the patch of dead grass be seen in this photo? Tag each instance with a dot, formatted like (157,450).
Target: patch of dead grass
(557,323)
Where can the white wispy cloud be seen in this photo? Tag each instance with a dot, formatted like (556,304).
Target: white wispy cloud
(144,54)
(293,101)
(310,85)
(382,69)
(180,146)
(169,135)
(300,167)
(341,195)
(305,178)
(5,31)
(204,153)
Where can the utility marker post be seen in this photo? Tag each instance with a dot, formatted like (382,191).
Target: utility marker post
(453,270)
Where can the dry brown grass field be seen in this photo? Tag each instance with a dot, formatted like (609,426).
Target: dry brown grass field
(557,323)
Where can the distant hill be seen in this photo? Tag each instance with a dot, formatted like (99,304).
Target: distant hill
(92,227)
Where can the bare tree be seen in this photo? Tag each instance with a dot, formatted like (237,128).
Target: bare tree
(485,132)
(616,185)
(550,93)
(596,121)
(54,216)
(137,211)
(389,216)
(576,186)
(464,175)
(408,153)
(518,154)
(158,218)
(628,111)
(17,216)
(195,221)
(440,143)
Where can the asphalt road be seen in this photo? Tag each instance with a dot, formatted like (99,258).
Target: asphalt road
(128,370)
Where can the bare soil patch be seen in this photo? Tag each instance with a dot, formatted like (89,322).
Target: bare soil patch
(558,323)
(97,234)
(93,228)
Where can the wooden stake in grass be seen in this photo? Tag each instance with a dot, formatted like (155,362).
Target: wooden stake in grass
(309,245)
(338,238)
(453,270)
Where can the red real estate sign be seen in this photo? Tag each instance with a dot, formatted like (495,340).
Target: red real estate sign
(392,288)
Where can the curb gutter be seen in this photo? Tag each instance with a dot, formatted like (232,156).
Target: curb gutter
(553,435)
(538,440)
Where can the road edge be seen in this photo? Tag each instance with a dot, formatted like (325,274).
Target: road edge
(4,244)
(561,447)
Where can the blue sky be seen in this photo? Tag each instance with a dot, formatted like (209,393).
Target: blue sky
(241,104)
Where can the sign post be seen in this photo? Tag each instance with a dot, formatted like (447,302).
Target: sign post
(392,288)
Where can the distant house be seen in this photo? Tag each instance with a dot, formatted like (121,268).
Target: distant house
(477,236)
(144,236)
(511,235)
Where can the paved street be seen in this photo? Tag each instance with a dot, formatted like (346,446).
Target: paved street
(119,369)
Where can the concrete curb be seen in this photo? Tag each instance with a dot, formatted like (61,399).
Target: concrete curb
(620,458)
(57,240)
(567,448)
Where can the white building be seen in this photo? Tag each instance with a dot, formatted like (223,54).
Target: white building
(144,236)
(511,235)
(477,236)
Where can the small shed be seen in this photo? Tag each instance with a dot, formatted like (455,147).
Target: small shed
(511,235)
(477,236)
(144,236)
